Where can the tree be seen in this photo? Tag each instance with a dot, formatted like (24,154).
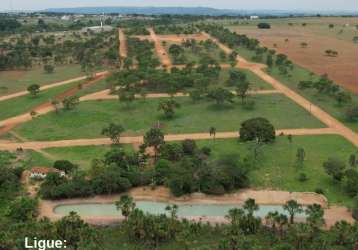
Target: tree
(335,168)
(23,209)
(221,95)
(352,160)
(126,97)
(264,26)
(315,216)
(293,208)
(355,208)
(72,229)
(242,90)
(56,105)
(300,156)
(212,132)
(154,138)
(168,107)
(34,89)
(49,69)
(113,131)
(126,205)
(70,102)
(343,97)
(257,129)
(65,165)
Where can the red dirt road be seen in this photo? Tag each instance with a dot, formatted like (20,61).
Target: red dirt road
(122,44)
(37,145)
(162,53)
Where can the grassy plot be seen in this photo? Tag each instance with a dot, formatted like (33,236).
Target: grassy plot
(14,81)
(90,117)
(83,155)
(256,83)
(327,103)
(198,54)
(277,167)
(24,104)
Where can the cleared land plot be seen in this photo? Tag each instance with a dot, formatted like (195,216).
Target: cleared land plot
(24,104)
(90,117)
(343,69)
(277,167)
(14,81)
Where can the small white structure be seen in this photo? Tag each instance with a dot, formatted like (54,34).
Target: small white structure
(254,17)
(66,18)
(42,172)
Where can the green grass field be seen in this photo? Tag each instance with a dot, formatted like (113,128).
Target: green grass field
(24,104)
(256,83)
(277,167)
(90,117)
(196,56)
(14,81)
(327,103)
(82,155)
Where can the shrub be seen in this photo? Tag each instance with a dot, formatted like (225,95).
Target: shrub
(302,177)
(264,26)
(355,208)
(319,191)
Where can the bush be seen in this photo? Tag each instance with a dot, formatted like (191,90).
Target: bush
(264,26)
(319,191)
(302,177)
(355,208)
(249,105)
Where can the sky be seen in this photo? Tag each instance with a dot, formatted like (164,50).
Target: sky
(318,5)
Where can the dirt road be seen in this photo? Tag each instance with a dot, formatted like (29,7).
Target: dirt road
(37,145)
(8,124)
(106,95)
(162,53)
(49,86)
(122,44)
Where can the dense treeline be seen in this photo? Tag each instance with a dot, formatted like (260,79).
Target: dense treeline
(176,29)
(88,49)
(141,54)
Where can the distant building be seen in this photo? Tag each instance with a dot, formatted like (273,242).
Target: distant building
(254,17)
(66,18)
(42,172)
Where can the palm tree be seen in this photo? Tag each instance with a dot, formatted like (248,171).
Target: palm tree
(315,217)
(281,221)
(250,206)
(293,208)
(126,205)
(212,132)
(235,215)
(271,219)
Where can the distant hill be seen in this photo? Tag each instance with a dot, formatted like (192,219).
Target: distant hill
(146,10)
(191,11)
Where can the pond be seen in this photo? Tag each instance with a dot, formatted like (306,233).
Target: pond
(154,207)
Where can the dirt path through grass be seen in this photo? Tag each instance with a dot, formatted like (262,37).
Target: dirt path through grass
(122,44)
(35,145)
(162,53)
(50,86)
(8,124)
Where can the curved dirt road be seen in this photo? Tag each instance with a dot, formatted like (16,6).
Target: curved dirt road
(37,145)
